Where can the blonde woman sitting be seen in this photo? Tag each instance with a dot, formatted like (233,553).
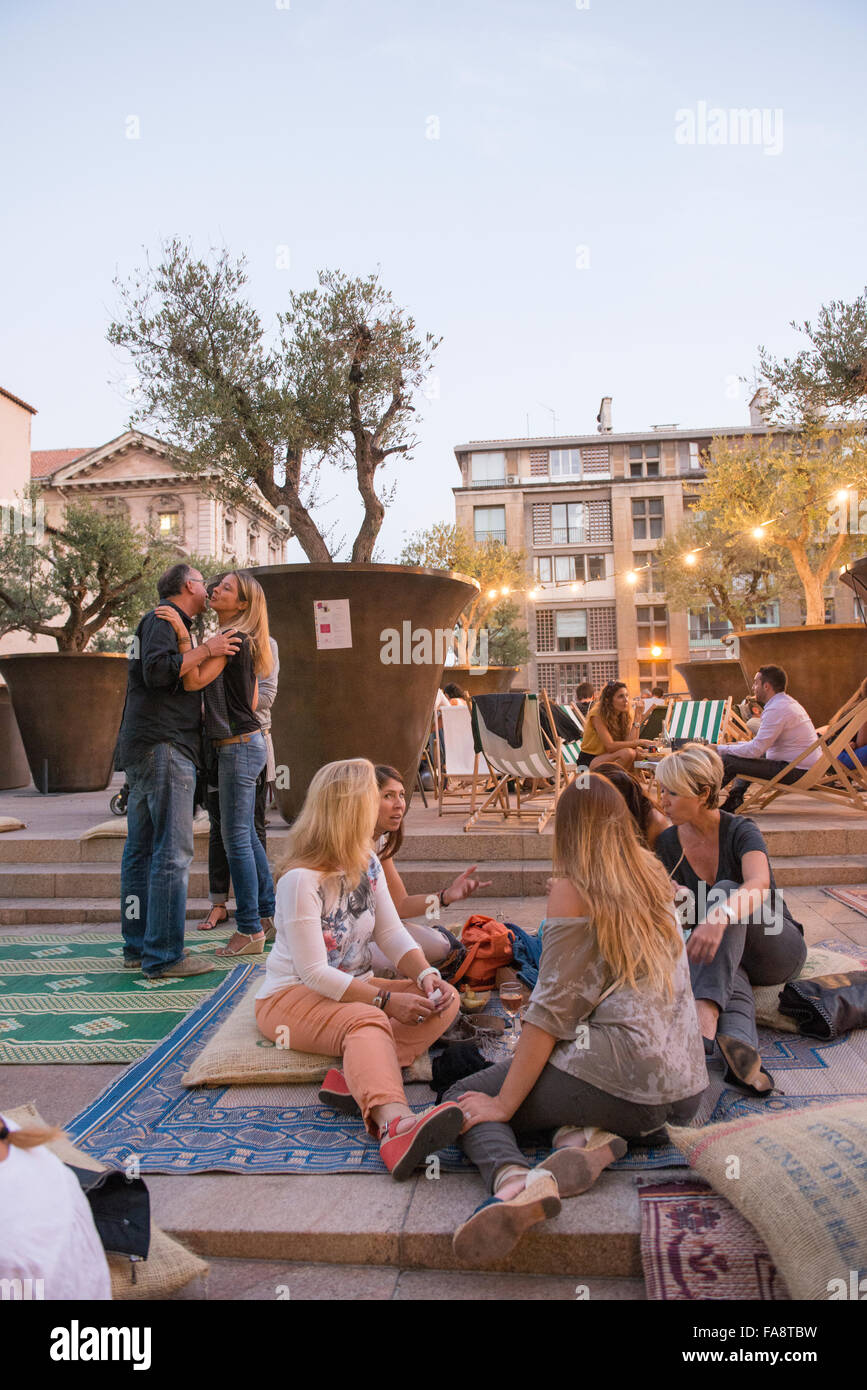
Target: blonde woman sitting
(610,1049)
(320,994)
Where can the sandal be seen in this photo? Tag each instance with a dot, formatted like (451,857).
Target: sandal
(495,1227)
(209,924)
(744,1066)
(576,1169)
(250,946)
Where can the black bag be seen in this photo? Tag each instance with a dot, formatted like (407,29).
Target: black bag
(827,1006)
(121,1210)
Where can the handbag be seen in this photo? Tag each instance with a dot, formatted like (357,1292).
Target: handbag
(121,1211)
(828,1005)
(489,947)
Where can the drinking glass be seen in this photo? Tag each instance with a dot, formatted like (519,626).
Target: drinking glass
(512,998)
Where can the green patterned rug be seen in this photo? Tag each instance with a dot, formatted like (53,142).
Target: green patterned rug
(69,999)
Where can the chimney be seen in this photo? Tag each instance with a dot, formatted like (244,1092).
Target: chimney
(759,406)
(603,419)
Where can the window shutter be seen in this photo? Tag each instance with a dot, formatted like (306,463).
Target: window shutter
(599,516)
(602,672)
(538,463)
(541,523)
(601,629)
(595,461)
(545,630)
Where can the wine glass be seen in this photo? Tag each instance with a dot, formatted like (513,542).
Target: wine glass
(511,998)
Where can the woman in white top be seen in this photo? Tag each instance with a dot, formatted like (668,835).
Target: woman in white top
(49,1242)
(320,993)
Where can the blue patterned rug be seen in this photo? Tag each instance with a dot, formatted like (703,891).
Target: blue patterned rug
(148,1115)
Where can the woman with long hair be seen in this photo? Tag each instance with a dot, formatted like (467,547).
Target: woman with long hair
(49,1236)
(439,945)
(742,932)
(649,820)
(320,993)
(610,1048)
(610,734)
(230,687)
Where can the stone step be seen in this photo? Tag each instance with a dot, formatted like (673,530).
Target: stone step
(810,870)
(51,912)
(78,880)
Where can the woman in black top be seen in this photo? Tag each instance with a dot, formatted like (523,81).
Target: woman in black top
(742,932)
(230,695)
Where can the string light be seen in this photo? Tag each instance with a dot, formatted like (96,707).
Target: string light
(842,495)
(632,577)
(492,593)
(758,533)
(689,558)
(656,651)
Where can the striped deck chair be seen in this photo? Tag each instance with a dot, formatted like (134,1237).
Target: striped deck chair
(700,719)
(531,762)
(566,749)
(827,779)
(463,771)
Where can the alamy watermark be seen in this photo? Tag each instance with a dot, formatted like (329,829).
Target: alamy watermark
(847,514)
(735,125)
(23,518)
(421,646)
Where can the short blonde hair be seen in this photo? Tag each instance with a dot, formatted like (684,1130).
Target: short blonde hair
(334,828)
(691,771)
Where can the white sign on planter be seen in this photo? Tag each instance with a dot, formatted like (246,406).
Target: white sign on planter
(333,626)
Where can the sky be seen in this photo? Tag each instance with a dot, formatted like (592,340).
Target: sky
(543,183)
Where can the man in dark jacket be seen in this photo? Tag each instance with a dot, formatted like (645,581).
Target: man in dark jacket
(159,749)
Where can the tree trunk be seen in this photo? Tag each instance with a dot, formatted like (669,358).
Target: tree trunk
(814,588)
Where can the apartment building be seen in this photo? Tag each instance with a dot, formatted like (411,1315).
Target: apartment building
(590,511)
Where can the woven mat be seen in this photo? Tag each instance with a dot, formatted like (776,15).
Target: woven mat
(68,999)
(284,1129)
(695,1246)
(856,898)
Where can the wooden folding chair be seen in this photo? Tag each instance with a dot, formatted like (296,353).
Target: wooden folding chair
(461,765)
(700,719)
(531,761)
(827,779)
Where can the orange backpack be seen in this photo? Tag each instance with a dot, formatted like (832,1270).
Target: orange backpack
(489,946)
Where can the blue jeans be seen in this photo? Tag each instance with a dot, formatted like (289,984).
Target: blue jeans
(239,765)
(155,869)
(860,754)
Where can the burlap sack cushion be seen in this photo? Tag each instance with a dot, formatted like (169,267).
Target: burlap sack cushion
(801,1181)
(11,823)
(168,1267)
(238,1055)
(116,829)
(820,961)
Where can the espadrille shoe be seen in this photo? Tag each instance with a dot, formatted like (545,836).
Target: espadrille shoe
(495,1227)
(337,1094)
(744,1066)
(576,1169)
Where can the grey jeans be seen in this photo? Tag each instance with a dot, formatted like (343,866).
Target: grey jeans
(558,1098)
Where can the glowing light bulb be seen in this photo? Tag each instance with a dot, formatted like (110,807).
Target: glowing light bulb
(758,533)
(506,590)
(492,593)
(534,593)
(656,651)
(689,558)
(842,495)
(632,577)
(573,588)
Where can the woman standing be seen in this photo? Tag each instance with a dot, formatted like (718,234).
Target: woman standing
(231,696)
(743,933)
(609,733)
(320,993)
(610,1040)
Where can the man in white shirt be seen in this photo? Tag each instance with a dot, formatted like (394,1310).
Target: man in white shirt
(784,734)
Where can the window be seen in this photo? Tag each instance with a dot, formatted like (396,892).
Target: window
(564,463)
(595,566)
(653,673)
(253,546)
(644,461)
(601,672)
(570,627)
(488,468)
(649,572)
(568,523)
(603,629)
(561,678)
(707,627)
(543,569)
(652,623)
(695,458)
(647,518)
(769,614)
(170,523)
(489,523)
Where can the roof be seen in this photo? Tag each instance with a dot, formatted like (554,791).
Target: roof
(18,401)
(570,441)
(45,461)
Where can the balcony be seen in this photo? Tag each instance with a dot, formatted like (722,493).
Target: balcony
(482,536)
(566,535)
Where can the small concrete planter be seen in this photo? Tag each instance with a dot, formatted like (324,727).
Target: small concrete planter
(824,664)
(714,680)
(14,771)
(68,706)
(373,699)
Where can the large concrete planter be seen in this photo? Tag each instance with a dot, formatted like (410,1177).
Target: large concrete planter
(714,680)
(68,706)
(479,680)
(14,771)
(356,702)
(824,664)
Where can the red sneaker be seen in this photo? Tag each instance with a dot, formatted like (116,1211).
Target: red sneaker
(402,1153)
(337,1094)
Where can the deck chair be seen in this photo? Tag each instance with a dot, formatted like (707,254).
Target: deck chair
(566,749)
(655,721)
(531,761)
(827,779)
(695,719)
(463,771)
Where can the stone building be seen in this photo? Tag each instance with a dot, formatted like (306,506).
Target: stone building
(589,511)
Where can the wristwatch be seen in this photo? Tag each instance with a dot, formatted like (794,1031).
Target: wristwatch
(379,1001)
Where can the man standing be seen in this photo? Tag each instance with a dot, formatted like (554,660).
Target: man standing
(784,734)
(159,749)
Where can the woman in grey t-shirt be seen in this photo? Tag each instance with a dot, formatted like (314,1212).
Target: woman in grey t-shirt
(610,1049)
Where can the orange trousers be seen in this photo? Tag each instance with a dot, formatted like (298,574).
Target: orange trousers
(373,1046)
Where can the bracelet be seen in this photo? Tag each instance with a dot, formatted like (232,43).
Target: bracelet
(385,999)
(431,970)
(442,896)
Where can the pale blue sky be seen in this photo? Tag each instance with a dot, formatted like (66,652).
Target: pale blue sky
(306,126)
